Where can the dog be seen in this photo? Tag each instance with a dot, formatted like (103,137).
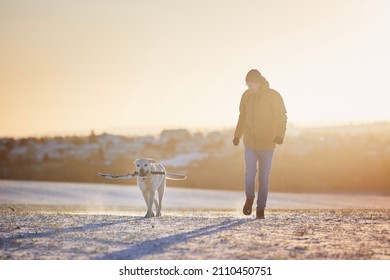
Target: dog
(151,180)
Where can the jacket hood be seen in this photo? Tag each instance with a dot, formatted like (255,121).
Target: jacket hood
(264,84)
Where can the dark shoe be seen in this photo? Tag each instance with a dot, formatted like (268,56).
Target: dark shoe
(247,210)
(260,214)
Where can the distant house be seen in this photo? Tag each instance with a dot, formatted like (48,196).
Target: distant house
(116,146)
(174,134)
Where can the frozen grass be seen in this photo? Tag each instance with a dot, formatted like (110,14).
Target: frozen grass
(50,232)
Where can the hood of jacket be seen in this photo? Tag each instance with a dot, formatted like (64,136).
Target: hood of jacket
(264,86)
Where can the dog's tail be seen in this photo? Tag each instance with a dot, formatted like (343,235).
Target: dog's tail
(174,176)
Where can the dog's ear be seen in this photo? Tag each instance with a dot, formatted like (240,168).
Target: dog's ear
(152,160)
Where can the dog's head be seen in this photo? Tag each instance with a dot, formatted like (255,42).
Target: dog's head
(143,166)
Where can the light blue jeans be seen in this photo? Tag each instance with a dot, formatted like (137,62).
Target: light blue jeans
(264,160)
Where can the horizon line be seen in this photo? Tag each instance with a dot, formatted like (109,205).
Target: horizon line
(155,130)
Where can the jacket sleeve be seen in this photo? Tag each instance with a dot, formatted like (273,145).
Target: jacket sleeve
(280,114)
(241,119)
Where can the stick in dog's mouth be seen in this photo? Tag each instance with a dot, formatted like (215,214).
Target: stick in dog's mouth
(131,175)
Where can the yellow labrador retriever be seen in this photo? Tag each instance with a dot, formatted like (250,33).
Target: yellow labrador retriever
(151,180)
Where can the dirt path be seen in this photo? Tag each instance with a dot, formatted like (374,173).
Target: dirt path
(37,233)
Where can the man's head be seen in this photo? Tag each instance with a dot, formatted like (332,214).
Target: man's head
(253,80)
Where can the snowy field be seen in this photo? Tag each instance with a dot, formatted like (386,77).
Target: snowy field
(102,196)
(43,220)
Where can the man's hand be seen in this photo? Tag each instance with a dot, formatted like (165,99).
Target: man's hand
(236,141)
(278,140)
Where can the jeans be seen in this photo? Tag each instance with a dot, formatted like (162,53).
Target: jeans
(264,160)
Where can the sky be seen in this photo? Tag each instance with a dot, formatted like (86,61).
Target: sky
(69,67)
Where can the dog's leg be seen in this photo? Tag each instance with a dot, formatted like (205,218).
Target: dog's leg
(149,204)
(156,203)
(160,192)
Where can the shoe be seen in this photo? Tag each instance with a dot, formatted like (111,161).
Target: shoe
(247,210)
(260,214)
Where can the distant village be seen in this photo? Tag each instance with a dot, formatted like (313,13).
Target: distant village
(80,158)
(311,159)
(177,148)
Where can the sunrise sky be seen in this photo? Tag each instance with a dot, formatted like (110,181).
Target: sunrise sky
(67,67)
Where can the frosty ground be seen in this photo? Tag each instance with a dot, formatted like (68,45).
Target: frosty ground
(34,227)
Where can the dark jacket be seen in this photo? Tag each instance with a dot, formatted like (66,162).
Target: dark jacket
(262,118)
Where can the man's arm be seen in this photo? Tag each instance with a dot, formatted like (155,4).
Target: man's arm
(280,114)
(240,123)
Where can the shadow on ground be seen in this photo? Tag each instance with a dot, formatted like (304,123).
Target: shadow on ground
(143,249)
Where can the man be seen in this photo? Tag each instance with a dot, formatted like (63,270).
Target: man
(262,122)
